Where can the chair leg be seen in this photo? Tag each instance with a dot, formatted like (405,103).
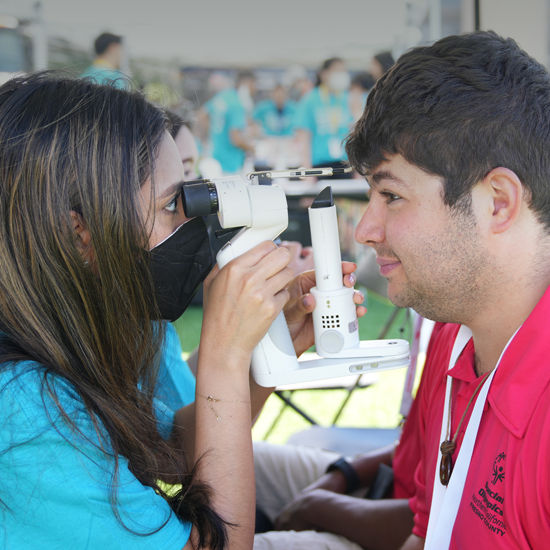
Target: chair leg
(277,418)
(290,404)
(287,403)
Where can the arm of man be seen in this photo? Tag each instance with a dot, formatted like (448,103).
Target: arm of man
(365,466)
(373,524)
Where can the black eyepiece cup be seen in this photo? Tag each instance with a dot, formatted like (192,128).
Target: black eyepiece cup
(200,199)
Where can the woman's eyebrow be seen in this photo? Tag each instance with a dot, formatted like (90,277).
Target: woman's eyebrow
(172,189)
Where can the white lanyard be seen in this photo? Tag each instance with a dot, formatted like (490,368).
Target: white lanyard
(446,500)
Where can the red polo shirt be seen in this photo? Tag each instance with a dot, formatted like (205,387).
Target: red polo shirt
(407,452)
(506,498)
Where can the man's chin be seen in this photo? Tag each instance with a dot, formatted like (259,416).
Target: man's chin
(397,296)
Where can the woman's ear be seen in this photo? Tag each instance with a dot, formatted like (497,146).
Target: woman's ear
(82,236)
(506,194)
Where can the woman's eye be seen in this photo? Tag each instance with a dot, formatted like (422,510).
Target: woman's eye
(173,204)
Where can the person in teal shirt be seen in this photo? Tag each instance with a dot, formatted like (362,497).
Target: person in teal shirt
(276,115)
(225,117)
(176,384)
(90,456)
(105,68)
(324,117)
(68,472)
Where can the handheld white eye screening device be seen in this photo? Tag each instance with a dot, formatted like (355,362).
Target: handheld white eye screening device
(259,212)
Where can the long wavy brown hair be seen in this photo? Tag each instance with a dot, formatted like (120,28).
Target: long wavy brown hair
(69,145)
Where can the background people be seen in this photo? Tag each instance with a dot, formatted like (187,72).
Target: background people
(225,118)
(380,64)
(324,117)
(361,85)
(276,114)
(180,130)
(105,68)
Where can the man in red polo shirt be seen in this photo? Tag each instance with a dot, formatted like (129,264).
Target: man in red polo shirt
(455,142)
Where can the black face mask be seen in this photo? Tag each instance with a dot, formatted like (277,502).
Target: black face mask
(179,265)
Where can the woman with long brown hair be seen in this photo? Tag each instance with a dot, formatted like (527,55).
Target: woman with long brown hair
(90,220)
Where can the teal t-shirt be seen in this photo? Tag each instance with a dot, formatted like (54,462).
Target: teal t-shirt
(176,383)
(328,117)
(56,483)
(100,74)
(226,113)
(273,121)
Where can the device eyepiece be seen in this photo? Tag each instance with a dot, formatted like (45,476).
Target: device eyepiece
(200,199)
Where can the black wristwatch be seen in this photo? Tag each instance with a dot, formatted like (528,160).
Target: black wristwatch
(352,479)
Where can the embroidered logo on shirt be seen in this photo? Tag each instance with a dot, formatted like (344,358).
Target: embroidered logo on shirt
(498,470)
(488,504)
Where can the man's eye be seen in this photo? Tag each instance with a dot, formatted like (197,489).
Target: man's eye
(390,197)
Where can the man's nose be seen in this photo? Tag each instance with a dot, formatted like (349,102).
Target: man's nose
(371,229)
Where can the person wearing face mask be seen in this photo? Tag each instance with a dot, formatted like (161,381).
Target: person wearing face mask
(96,258)
(324,117)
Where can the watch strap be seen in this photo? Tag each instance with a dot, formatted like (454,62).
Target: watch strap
(352,479)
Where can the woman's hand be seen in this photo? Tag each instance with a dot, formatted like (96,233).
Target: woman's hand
(301,304)
(244,298)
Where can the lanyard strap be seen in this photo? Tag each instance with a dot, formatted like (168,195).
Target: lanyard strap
(335,111)
(446,500)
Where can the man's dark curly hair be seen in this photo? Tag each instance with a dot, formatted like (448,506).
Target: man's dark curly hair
(457,109)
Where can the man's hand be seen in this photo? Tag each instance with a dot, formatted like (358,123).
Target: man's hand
(301,304)
(334,481)
(301,259)
(374,524)
(298,515)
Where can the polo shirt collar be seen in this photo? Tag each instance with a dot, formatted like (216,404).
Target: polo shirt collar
(523,374)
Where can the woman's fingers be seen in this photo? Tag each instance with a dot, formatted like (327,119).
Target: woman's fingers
(246,296)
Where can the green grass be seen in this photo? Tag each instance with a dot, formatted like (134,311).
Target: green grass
(376,406)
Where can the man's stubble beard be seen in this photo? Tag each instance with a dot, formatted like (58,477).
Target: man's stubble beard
(446,276)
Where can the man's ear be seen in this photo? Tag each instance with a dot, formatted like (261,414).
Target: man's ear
(505,192)
(82,235)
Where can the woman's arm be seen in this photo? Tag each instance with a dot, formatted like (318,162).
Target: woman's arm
(241,302)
